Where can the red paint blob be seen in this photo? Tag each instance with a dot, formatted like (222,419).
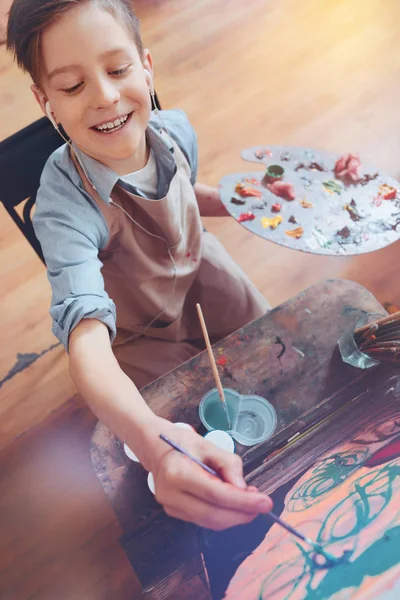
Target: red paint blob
(222,361)
(282,189)
(385,454)
(246,217)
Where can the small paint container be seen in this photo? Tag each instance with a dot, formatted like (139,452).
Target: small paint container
(212,412)
(256,421)
(185,426)
(253,418)
(130,454)
(150,483)
(222,439)
(274,173)
(349,350)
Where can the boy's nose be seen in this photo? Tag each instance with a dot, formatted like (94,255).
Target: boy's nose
(105,94)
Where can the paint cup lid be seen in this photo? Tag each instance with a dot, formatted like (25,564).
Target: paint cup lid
(256,421)
(150,483)
(184,426)
(222,439)
(130,454)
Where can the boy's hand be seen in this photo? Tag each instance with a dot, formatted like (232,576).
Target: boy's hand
(209,201)
(188,492)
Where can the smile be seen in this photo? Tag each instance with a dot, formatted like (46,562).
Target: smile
(112,126)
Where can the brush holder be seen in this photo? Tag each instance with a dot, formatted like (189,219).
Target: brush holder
(349,350)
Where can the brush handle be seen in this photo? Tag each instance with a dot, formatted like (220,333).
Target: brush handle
(395,317)
(213,363)
(288,527)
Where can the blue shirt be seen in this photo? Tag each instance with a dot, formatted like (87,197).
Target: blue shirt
(71,228)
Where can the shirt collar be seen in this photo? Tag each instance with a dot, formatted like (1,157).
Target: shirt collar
(104,179)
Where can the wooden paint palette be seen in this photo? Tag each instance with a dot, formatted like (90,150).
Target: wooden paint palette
(326,216)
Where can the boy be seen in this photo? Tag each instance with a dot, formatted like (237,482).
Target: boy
(118,220)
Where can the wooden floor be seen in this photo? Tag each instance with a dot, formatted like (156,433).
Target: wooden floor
(323,73)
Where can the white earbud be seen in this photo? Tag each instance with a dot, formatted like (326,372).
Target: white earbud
(150,81)
(50,115)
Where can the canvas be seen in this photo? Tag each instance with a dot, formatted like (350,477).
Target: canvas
(349,501)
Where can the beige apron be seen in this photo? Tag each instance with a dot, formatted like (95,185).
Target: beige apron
(157,268)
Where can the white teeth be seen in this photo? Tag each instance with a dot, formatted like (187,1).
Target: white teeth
(112,124)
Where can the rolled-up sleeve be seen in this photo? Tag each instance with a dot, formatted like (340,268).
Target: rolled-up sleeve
(71,230)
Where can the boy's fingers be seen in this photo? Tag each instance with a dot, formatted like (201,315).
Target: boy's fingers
(198,512)
(229,466)
(224,495)
(193,480)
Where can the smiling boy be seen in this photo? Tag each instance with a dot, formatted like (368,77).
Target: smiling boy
(118,217)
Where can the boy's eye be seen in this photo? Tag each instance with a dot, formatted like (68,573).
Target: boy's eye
(73,89)
(120,71)
(115,73)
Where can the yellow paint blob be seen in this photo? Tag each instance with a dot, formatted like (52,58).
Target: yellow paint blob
(272,222)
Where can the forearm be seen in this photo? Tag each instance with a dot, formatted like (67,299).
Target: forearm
(209,201)
(111,395)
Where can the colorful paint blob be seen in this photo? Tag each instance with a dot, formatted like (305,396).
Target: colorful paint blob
(271,222)
(246,217)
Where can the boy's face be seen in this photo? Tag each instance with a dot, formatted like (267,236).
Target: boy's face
(93,77)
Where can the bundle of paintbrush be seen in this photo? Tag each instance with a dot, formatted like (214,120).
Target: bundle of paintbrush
(381,339)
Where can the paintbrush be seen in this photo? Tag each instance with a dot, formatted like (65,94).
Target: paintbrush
(213,364)
(388,344)
(388,329)
(317,547)
(381,339)
(388,320)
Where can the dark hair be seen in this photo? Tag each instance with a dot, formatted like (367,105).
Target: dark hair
(29,18)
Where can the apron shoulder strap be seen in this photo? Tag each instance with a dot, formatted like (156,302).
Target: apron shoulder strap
(111,216)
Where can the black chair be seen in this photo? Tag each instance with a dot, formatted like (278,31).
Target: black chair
(22,158)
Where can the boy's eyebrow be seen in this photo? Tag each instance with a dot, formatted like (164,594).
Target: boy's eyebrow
(106,54)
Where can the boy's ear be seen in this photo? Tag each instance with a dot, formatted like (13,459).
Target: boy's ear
(40,97)
(148,62)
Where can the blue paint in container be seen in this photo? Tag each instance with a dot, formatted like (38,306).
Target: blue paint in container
(253,418)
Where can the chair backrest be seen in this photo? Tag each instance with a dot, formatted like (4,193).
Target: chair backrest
(22,158)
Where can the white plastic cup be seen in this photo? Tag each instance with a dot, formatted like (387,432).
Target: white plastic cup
(222,439)
(184,426)
(150,483)
(130,454)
